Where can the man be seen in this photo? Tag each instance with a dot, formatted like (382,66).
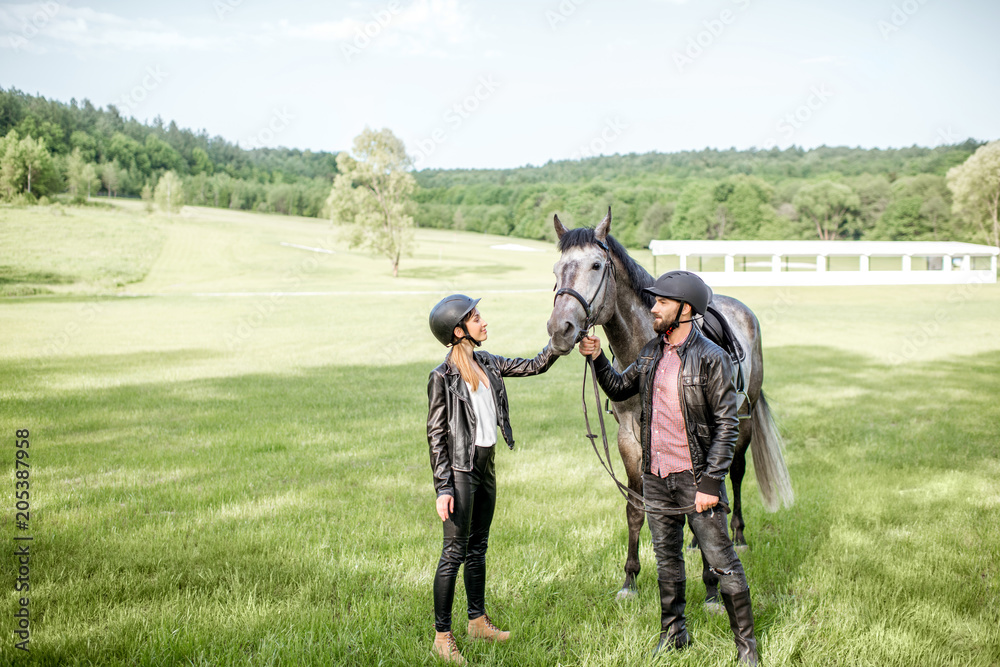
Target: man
(688,428)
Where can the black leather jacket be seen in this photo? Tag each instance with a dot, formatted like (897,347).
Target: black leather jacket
(708,398)
(451,420)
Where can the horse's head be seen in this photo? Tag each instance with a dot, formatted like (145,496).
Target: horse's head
(585,284)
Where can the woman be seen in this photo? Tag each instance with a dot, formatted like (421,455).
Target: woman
(467,401)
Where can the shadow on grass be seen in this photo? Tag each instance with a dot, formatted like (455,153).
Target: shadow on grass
(213,505)
(441,272)
(10,275)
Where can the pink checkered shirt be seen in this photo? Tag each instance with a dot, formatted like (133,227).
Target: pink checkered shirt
(669,452)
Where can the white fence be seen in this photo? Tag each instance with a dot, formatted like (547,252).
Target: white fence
(759,263)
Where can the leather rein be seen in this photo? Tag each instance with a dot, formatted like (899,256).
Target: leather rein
(634,499)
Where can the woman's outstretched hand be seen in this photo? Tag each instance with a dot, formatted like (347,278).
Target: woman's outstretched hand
(590,346)
(445,506)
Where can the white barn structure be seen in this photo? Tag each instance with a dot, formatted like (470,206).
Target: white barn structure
(766,263)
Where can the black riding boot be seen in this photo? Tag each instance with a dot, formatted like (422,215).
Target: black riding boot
(673,629)
(741,621)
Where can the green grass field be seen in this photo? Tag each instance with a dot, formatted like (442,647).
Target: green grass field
(229,466)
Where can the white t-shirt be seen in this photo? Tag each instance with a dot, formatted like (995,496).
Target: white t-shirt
(485,408)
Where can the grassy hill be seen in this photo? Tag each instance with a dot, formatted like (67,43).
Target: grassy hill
(229,465)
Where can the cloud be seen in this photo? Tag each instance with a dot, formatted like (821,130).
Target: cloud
(837,60)
(40,26)
(419,28)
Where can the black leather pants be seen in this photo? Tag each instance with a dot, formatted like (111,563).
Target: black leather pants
(466,534)
(678,490)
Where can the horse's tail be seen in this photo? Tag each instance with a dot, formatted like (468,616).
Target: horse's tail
(769,464)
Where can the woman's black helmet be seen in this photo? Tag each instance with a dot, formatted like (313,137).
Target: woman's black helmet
(449,313)
(683,286)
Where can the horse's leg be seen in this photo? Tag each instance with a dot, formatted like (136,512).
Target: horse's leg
(631,453)
(736,473)
(694,542)
(713,604)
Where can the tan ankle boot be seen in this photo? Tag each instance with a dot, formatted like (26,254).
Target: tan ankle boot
(446,648)
(483,628)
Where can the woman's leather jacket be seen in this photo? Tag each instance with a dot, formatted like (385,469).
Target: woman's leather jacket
(451,420)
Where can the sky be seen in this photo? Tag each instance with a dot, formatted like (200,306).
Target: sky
(506,84)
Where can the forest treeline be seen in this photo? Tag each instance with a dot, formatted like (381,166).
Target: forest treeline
(50,148)
(79,148)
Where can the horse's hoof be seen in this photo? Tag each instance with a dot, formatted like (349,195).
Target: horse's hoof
(740,548)
(625,594)
(714,608)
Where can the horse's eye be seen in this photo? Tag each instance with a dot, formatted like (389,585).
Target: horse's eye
(597,266)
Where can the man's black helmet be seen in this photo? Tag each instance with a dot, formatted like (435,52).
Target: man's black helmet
(683,286)
(449,313)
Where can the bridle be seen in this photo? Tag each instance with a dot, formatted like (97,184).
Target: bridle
(588,305)
(631,497)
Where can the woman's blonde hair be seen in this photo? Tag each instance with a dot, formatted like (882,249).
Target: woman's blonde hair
(463,362)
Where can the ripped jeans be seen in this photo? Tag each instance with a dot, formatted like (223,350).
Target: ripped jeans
(678,490)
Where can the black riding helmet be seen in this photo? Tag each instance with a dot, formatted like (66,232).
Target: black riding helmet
(683,286)
(450,312)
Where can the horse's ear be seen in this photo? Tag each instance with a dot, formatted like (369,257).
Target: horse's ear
(602,229)
(560,228)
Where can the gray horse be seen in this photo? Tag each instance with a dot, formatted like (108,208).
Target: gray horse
(613,295)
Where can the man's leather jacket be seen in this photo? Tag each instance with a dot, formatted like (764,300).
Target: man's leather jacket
(451,420)
(708,399)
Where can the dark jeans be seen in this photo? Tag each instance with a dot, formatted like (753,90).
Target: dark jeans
(466,533)
(678,490)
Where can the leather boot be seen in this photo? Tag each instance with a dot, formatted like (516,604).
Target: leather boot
(673,626)
(483,628)
(446,648)
(741,621)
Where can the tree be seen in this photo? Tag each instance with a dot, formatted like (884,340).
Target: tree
(147,197)
(162,155)
(830,206)
(696,212)
(655,223)
(747,206)
(201,163)
(169,193)
(25,166)
(74,174)
(919,210)
(371,193)
(975,186)
(112,175)
(11,166)
(90,177)
(875,194)
(80,175)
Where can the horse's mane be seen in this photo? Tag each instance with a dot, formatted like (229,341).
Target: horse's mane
(638,276)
